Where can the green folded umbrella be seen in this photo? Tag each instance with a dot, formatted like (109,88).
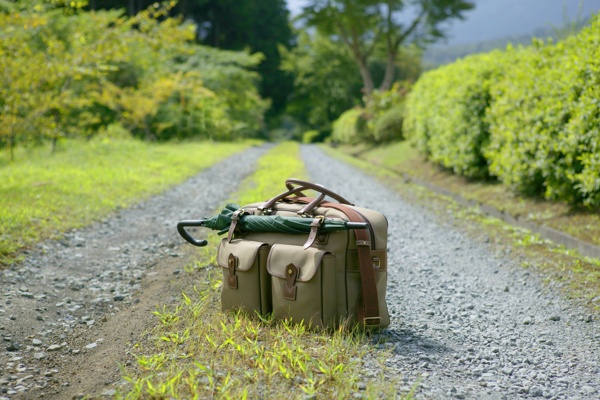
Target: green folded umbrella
(264,223)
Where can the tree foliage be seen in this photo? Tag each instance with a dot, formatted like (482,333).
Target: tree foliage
(262,26)
(94,69)
(364,25)
(326,82)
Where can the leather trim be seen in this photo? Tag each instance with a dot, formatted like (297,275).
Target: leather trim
(232,279)
(368,304)
(314,231)
(289,289)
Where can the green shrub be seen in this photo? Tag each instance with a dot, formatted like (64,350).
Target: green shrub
(384,112)
(446,112)
(349,127)
(388,126)
(310,136)
(545,120)
(528,116)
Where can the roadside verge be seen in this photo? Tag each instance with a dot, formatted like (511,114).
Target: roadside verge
(568,261)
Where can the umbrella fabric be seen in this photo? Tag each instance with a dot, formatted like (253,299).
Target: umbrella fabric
(222,221)
(270,223)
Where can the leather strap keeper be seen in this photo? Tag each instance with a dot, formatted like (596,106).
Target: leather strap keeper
(289,289)
(232,279)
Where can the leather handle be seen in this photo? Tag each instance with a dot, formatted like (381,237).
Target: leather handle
(269,203)
(309,207)
(314,186)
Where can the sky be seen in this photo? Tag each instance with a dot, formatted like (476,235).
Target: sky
(493,19)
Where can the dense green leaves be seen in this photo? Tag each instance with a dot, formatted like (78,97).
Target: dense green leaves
(530,117)
(326,82)
(349,127)
(446,112)
(545,120)
(93,69)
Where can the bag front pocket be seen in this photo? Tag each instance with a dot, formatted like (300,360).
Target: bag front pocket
(246,283)
(303,285)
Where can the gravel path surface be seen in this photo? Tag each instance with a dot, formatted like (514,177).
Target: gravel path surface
(466,322)
(94,273)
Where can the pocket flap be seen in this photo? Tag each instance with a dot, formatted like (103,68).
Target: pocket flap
(307,261)
(245,251)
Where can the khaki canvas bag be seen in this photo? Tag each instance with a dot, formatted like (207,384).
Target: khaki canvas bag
(319,278)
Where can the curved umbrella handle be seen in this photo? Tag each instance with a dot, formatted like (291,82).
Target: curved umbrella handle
(181,229)
(314,186)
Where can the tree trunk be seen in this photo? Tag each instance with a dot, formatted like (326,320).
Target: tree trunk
(368,85)
(390,71)
(148,132)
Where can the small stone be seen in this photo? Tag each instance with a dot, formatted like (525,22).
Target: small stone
(507,370)
(75,351)
(506,289)
(109,392)
(39,318)
(13,347)
(177,272)
(53,347)
(361,386)
(588,319)
(36,342)
(430,313)
(536,391)
(588,390)
(555,318)
(119,297)
(91,346)
(527,321)
(39,356)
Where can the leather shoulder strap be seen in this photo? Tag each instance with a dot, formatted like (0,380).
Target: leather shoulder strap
(368,308)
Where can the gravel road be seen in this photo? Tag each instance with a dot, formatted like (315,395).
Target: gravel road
(467,323)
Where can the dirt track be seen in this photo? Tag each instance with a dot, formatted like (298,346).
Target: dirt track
(70,310)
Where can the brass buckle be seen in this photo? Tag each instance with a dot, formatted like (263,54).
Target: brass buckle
(372,320)
(376,262)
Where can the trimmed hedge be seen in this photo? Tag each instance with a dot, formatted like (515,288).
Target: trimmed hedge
(529,117)
(445,112)
(545,121)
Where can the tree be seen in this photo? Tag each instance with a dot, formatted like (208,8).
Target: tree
(363,25)
(326,81)
(258,25)
(261,26)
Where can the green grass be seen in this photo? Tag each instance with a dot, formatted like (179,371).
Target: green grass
(43,194)
(200,352)
(576,276)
